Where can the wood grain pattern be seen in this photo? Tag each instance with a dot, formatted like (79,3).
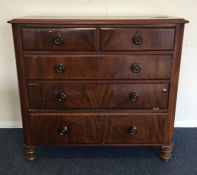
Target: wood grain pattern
(150,129)
(73,39)
(115,20)
(104,129)
(109,81)
(21,83)
(84,130)
(119,39)
(174,83)
(98,67)
(105,96)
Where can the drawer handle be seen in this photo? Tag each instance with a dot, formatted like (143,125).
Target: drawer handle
(61,97)
(60,68)
(164,90)
(135,68)
(137,39)
(132,130)
(134,97)
(62,130)
(59,39)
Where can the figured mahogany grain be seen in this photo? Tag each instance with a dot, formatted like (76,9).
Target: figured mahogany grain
(95,129)
(150,129)
(82,39)
(97,54)
(90,96)
(82,130)
(121,39)
(98,67)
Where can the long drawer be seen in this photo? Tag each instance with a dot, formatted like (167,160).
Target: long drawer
(98,67)
(67,39)
(93,129)
(125,39)
(90,96)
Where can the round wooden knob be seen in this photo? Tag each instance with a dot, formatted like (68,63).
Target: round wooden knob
(62,130)
(61,97)
(134,97)
(135,68)
(58,39)
(132,130)
(60,68)
(164,90)
(137,39)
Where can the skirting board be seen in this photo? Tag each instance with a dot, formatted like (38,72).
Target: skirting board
(10,124)
(18,124)
(185,124)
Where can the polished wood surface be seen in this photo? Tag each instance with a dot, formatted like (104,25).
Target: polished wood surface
(98,81)
(118,39)
(149,129)
(46,129)
(30,152)
(166,152)
(90,96)
(72,39)
(104,129)
(115,20)
(98,67)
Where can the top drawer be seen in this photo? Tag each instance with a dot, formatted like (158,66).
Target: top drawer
(68,39)
(126,39)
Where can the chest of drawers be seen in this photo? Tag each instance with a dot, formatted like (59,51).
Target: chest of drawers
(102,81)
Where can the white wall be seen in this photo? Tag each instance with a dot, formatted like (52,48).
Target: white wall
(186,114)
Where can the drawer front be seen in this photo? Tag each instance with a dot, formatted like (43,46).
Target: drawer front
(69,39)
(131,129)
(91,129)
(71,96)
(98,67)
(121,39)
(63,129)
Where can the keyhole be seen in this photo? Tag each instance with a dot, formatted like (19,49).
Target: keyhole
(98,60)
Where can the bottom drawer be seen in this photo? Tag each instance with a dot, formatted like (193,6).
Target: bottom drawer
(134,129)
(64,129)
(92,129)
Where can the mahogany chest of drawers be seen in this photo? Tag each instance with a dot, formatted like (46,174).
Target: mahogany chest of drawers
(102,81)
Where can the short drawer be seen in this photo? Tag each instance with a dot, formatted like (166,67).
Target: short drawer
(125,39)
(134,129)
(63,129)
(90,96)
(98,67)
(67,39)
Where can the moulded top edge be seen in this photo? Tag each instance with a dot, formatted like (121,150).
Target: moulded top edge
(97,20)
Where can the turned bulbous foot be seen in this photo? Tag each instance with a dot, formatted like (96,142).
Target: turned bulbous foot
(30,152)
(166,152)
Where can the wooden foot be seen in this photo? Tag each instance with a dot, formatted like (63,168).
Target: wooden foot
(30,152)
(166,152)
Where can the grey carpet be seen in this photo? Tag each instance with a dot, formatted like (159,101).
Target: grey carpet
(99,160)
